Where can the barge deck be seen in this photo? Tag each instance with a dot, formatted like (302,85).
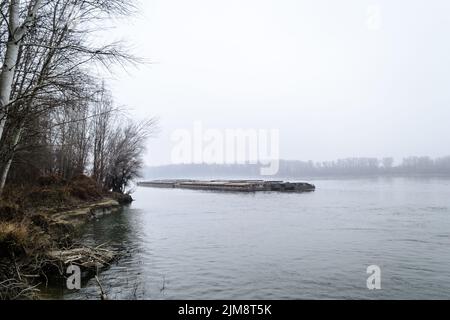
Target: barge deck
(232,185)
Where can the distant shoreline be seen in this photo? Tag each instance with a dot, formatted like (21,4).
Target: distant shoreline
(341,168)
(304,177)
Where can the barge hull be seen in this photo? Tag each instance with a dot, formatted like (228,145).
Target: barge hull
(232,185)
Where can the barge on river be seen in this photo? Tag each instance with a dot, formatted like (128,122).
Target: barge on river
(232,185)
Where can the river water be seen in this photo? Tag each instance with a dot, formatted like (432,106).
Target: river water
(183,244)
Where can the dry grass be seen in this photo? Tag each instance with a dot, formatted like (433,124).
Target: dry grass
(50,192)
(9,211)
(85,188)
(13,235)
(26,211)
(29,229)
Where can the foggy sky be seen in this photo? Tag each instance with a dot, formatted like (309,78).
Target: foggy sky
(317,70)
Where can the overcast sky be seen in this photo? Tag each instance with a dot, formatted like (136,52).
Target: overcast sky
(335,77)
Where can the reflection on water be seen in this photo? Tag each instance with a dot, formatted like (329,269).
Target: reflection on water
(183,244)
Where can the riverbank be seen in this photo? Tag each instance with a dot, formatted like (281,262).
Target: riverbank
(39,228)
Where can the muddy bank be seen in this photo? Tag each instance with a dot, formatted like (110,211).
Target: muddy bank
(39,229)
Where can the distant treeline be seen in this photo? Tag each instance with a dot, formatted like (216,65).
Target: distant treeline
(341,167)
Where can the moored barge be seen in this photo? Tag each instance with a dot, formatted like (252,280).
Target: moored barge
(232,185)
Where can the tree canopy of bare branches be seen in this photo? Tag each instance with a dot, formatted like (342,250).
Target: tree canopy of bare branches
(56,116)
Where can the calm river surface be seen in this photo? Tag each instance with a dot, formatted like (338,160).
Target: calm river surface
(185,244)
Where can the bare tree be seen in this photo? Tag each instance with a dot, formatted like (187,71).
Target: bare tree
(17,28)
(44,70)
(125,148)
(101,132)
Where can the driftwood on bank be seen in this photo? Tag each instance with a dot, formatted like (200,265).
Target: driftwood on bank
(26,266)
(89,259)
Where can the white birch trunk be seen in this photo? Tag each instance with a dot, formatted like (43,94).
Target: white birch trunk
(10,61)
(7,165)
(17,32)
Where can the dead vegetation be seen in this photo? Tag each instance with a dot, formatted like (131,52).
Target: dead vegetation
(51,192)
(38,226)
(85,257)
(13,236)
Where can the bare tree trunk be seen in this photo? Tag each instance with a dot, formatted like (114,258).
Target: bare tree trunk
(16,33)
(9,66)
(7,166)
(42,78)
